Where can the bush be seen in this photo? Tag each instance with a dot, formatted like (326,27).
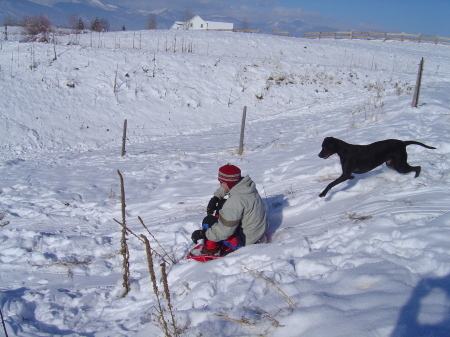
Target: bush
(100,25)
(10,21)
(37,28)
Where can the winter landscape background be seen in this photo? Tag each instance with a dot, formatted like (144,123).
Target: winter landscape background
(122,15)
(369,259)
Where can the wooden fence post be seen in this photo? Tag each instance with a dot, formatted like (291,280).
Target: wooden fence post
(1,315)
(241,141)
(415,101)
(124,137)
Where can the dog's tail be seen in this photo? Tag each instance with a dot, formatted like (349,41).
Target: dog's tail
(412,142)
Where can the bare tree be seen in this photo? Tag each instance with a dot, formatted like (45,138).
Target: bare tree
(11,21)
(37,28)
(187,15)
(151,22)
(72,20)
(104,24)
(244,24)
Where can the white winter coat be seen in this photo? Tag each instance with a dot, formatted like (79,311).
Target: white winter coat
(243,213)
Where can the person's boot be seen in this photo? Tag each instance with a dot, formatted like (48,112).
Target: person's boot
(215,251)
(197,251)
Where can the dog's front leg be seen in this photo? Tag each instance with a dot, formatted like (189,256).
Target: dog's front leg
(342,178)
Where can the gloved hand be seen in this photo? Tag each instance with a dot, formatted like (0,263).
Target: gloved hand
(198,235)
(212,205)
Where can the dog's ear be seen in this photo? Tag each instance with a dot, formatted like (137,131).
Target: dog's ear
(327,140)
(331,144)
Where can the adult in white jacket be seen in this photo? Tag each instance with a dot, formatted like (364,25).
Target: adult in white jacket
(241,218)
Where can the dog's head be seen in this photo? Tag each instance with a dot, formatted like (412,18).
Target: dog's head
(330,146)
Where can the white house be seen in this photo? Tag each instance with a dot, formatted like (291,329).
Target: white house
(197,23)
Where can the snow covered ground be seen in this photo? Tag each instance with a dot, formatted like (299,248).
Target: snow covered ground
(369,259)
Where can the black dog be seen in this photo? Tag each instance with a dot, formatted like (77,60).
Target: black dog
(364,158)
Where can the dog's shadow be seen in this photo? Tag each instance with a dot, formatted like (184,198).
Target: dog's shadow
(274,212)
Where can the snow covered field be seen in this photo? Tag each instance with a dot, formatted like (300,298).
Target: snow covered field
(369,259)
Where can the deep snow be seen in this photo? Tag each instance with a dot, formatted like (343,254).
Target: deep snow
(369,259)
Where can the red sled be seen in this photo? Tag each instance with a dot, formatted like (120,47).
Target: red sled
(205,258)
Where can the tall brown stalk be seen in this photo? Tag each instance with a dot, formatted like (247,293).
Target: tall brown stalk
(167,293)
(151,270)
(124,250)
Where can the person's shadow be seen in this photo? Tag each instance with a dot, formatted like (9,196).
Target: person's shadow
(414,322)
(25,316)
(274,213)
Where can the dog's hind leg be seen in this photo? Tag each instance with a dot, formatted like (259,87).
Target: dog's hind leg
(401,166)
(406,168)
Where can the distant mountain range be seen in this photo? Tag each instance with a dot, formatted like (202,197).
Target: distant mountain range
(119,17)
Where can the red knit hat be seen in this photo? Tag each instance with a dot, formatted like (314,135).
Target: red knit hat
(229,174)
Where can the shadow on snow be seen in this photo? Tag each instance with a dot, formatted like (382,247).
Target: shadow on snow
(411,321)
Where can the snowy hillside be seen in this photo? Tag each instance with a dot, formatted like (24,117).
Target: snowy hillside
(369,259)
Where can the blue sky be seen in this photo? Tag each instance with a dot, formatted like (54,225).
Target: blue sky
(428,17)
(410,16)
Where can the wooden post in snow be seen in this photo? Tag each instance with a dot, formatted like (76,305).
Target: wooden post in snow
(1,315)
(415,101)
(241,141)
(124,137)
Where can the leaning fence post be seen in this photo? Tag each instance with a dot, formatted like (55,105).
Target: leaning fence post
(415,101)
(241,141)
(3,321)
(124,137)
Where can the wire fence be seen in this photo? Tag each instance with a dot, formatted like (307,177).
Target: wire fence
(378,36)
(199,139)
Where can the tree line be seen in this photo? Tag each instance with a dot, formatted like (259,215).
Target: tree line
(39,27)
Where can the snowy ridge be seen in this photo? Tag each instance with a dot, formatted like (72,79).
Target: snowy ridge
(370,259)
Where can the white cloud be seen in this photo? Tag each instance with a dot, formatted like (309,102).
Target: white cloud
(48,2)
